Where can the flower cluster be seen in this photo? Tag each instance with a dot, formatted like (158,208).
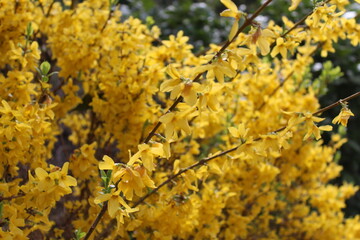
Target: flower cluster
(155,142)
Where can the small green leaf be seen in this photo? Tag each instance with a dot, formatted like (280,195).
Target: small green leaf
(102,173)
(44,78)
(337,157)
(1,209)
(29,30)
(79,234)
(45,68)
(149,21)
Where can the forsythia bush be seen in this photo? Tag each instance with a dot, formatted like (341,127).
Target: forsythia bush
(166,144)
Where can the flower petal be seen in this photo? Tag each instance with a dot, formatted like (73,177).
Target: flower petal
(230,5)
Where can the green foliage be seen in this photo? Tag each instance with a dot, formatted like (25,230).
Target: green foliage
(328,74)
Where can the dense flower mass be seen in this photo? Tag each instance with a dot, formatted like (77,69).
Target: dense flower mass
(108,132)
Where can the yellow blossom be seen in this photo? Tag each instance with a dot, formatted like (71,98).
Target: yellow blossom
(107,163)
(343,116)
(147,155)
(134,180)
(217,68)
(115,202)
(279,48)
(310,121)
(294,4)
(262,39)
(232,12)
(172,121)
(64,180)
(46,181)
(240,132)
(180,86)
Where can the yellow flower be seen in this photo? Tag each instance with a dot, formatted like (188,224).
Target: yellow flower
(210,97)
(46,181)
(115,202)
(27,57)
(107,164)
(134,179)
(65,181)
(343,116)
(232,12)
(294,4)
(172,121)
(279,48)
(179,85)
(217,68)
(147,155)
(240,132)
(263,39)
(312,128)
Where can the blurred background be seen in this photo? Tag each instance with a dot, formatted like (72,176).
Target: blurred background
(335,77)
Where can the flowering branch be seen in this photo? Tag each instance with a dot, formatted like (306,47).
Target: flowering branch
(247,22)
(205,160)
(199,163)
(302,20)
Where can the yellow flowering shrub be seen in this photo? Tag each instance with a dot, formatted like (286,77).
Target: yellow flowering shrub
(108,132)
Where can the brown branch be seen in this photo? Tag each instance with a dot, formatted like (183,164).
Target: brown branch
(11,197)
(73,4)
(49,9)
(107,20)
(337,103)
(97,220)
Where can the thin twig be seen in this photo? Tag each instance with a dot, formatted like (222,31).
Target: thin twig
(107,20)
(337,103)
(97,220)
(11,197)
(49,9)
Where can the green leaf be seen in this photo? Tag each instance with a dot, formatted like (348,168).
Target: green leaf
(1,209)
(44,78)
(328,74)
(79,234)
(149,21)
(45,68)
(29,30)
